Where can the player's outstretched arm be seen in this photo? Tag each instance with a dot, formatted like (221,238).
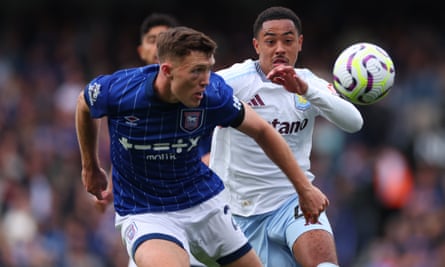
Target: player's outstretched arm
(335,109)
(94,178)
(312,200)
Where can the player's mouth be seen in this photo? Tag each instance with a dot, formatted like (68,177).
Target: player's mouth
(280,61)
(198,96)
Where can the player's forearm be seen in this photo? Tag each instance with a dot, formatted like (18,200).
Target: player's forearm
(87,130)
(335,109)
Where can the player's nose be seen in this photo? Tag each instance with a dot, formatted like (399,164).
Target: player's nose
(280,47)
(205,80)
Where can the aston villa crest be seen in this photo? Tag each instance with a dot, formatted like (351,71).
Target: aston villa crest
(301,103)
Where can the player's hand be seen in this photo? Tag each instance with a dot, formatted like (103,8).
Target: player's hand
(312,203)
(95,182)
(286,76)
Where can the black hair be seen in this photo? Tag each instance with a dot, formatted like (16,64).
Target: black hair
(157,19)
(275,13)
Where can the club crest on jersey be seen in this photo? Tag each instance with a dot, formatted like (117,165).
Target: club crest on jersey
(191,120)
(301,103)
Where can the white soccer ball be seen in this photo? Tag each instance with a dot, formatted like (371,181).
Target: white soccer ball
(363,73)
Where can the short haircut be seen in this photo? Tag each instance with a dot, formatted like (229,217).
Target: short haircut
(157,19)
(276,13)
(179,42)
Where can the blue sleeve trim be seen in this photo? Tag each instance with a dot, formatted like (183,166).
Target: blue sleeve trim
(239,118)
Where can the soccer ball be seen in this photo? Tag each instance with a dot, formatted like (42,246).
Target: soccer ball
(363,73)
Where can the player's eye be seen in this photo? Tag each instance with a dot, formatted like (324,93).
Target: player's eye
(151,39)
(200,71)
(270,41)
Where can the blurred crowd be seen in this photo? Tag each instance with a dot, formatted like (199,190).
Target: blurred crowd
(386,184)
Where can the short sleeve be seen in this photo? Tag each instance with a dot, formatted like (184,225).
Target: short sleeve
(96,96)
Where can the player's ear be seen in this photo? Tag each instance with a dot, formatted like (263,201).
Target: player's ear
(255,45)
(166,70)
(139,50)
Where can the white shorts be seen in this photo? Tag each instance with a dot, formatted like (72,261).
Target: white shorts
(273,234)
(206,230)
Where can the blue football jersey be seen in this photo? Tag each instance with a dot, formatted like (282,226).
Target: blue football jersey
(154,144)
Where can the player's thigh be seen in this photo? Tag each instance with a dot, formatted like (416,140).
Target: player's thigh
(159,252)
(193,262)
(139,231)
(314,247)
(312,243)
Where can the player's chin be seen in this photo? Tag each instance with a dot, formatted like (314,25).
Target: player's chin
(194,102)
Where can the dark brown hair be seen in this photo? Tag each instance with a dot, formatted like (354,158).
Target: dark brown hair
(180,41)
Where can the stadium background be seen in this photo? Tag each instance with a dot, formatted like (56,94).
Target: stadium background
(386,183)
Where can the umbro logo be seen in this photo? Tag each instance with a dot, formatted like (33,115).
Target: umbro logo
(256,101)
(131,120)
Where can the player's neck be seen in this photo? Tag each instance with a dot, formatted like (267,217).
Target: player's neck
(162,89)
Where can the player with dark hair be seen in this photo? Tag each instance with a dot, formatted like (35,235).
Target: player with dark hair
(168,203)
(262,199)
(151,26)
